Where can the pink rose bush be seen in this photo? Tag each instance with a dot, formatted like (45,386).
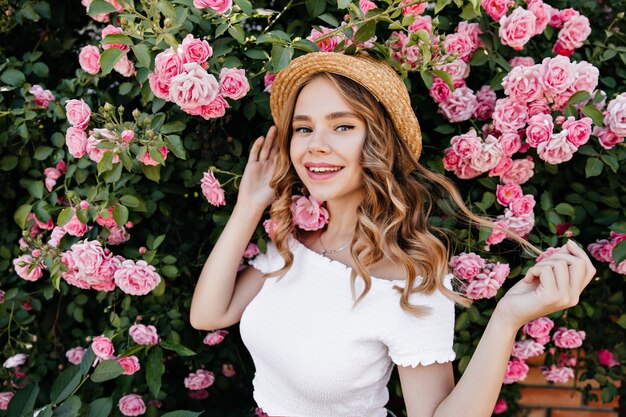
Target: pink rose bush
(481,279)
(308,213)
(518,215)
(606,358)
(28,268)
(199,380)
(129,363)
(557,374)
(568,338)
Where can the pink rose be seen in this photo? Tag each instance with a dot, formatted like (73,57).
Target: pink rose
(112,30)
(500,272)
(5,399)
(325,45)
(467,145)
(136,278)
(117,235)
(527,348)
(212,189)
(467,265)
(42,97)
(268,80)
(605,357)
(78,113)
(472,30)
(524,83)
(586,77)
(167,65)
(510,115)
(539,328)
(500,407)
(215,338)
(465,171)
(510,143)
(558,375)
(459,106)
(517,28)
(601,250)
(107,221)
(75,355)
(439,91)
(15,361)
(95,137)
(484,285)
(195,50)
(543,13)
(144,334)
(160,89)
(496,9)
(489,155)
(228,370)
(538,107)
(125,66)
(574,32)
(516,370)
(539,130)
(460,43)
(146,159)
(307,213)
(131,405)
(26,268)
(251,251)
(102,347)
(220,6)
(233,83)
(496,235)
(415,9)
(568,338)
(506,194)
(557,150)
(193,87)
(458,69)
(523,205)
(75,227)
(578,131)
(451,159)
(559,75)
(524,61)
(615,116)
(76,141)
(201,379)
(366,5)
(422,22)
(216,108)
(129,363)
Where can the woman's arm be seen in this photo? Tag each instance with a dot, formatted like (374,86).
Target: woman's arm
(551,285)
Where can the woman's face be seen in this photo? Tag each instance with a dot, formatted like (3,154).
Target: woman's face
(327,142)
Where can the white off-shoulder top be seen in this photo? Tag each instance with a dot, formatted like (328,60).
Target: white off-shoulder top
(317,357)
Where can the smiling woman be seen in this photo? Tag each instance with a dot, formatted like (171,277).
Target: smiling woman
(346,135)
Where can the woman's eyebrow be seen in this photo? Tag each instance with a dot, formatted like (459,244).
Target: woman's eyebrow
(331,116)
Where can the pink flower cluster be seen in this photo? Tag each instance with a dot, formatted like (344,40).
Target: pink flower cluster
(212,190)
(78,114)
(116,234)
(42,97)
(215,338)
(89,56)
(602,250)
(615,122)
(518,215)
(199,380)
(329,44)
(180,76)
(308,213)
(481,279)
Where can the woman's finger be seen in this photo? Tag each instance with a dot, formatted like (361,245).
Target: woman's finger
(267,146)
(561,272)
(256,147)
(543,274)
(590,270)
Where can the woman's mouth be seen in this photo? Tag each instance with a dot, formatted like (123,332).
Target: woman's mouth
(322,173)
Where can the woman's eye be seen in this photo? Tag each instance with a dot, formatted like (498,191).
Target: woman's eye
(300,129)
(345,128)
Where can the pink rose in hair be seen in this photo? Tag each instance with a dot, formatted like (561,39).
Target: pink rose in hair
(558,375)
(467,265)
(568,338)
(524,83)
(578,131)
(220,6)
(500,407)
(112,30)
(131,405)
(496,9)
(144,334)
(78,113)
(506,194)
(615,116)
(129,363)
(136,278)
(75,355)
(509,115)
(517,28)
(215,338)
(605,357)
(212,190)
(459,105)
(516,371)
(307,213)
(195,50)
(193,87)
(102,347)
(527,348)
(557,150)
(201,379)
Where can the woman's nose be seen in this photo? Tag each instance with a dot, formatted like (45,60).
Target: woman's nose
(318,142)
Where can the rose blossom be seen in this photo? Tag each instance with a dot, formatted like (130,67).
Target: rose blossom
(559,75)
(201,379)
(524,61)
(89,59)
(568,338)
(220,6)
(212,190)
(605,357)
(5,399)
(516,370)
(539,329)
(146,159)
(496,9)
(76,141)
(95,137)
(524,83)
(24,268)
(467,145)
(458,69)
(268,80)
(112,30)
(307,213)
(215,337)
(527,348)
(75,227)
(465,171)
(136,278)
(325,45)
(509,115)
(615,115)
(102,347)
(195,50)
(193,87)
(586,77)
(233,83)
(510,143)
(129,363)
(460,43)
(167,65)
(415,9)
(15,360)
(484,285)
(144,334)
(489,155)
(78,113)
(451,159)
(117,235)
(216,108)
(366,5)
(440,90)
(523,206)
(506,194)
(467,265)
(558,375)
(131,405)
(125,66)
(228,370)
(422,22)
(42,97)
(601,250)
(607,139)
(574,32)
(75,355)
(556,150)
(517,28)
(459,105)
(539,130)
(251,251)
(52,175)
(578,131)
(500,407)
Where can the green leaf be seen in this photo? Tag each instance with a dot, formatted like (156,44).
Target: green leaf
(13,77)
(343,4)
(595,114)
(23,401)
(130,201)
(106,371)
(106,163)
(315,7)
(245,6)
(169,271)
(579,97)
(610,160)
(88,358)
(167,9)
(365,32)
(8,162)
(100,6)
(306,45)
(221,29)
(619,227)
(40,69)
(238,33)
(182,413)
(155,370)
(444,129)
(619,252)
(178,348)
(441,4)
(427,78)
(65,216)
(479,57)
(42,152)
(330,19)
(281,56)
(157,242)
(257,54)
(100,407)
(21,214)
(109,58)
(117,38)
(445,77)
(35,188)
(565,209)
(177,126)
(152,172)
(593,168)
(142,53)
(621,321)
(120,214)
(175,145)
(69,408)
(65,384)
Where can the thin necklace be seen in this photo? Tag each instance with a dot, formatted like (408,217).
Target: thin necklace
(332,252)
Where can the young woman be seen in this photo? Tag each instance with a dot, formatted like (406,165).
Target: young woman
(327,313)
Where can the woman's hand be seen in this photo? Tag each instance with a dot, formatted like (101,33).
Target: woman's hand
(254,189)
(551,285)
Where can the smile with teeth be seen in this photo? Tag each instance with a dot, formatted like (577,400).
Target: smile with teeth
(324,169)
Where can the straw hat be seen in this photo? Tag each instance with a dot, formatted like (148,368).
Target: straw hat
(375,75)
